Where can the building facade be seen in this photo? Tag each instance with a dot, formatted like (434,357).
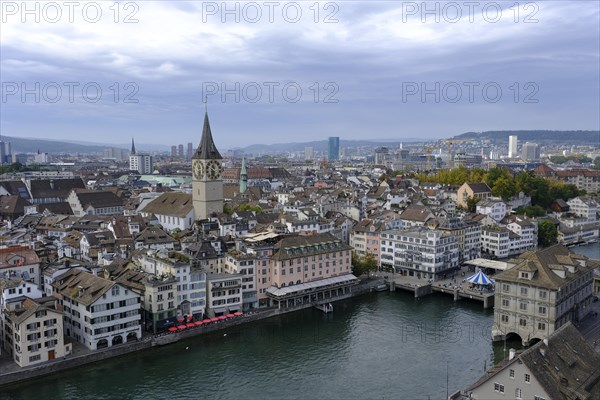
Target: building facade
(543,291)
(418,252)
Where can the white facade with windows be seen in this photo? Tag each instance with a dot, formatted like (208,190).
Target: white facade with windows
(245,265)
(417,252)
(142,163)
(34,335)
(97,312)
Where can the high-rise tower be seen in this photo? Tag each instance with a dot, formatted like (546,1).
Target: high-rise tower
(243,177)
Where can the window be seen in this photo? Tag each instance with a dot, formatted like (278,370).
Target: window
(498,387)
(527,378)
(542,310)
(518,394)
(505,319)
(523,291)
(505,302)
(37,357)
(543,294)
(522,322)
(523,306)
(115,291)
(541,326)
(538,398)
(511,373)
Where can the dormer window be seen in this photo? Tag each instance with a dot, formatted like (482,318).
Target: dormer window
(525,275)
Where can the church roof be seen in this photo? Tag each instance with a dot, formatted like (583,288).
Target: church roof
(207,149)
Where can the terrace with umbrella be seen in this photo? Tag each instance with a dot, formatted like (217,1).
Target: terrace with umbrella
(481,280)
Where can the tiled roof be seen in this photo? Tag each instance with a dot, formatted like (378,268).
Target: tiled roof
(82,286)
(171,204)
(542,263)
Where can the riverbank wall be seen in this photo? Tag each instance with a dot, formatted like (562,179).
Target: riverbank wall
(16,375)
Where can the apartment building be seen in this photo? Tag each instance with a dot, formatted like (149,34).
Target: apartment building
(33,333)
(419,252)
(98,313)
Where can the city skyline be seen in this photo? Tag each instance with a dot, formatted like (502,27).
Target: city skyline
(348,59)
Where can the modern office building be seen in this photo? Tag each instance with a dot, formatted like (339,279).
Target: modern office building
(512,146)
(334,148)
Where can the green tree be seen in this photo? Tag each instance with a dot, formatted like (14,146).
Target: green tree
(357,265)
(369,263)
(472,204)
(504,187)
(547,233)
(532,211)
(597,163)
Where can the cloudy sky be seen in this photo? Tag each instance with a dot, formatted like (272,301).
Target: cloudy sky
(274,72)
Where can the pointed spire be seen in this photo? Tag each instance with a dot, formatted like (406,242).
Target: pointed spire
(207,149)
(132,146)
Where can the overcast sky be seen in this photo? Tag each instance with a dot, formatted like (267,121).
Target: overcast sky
(383,69)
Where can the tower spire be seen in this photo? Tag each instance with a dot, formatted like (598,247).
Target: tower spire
(207,149)
(132,146)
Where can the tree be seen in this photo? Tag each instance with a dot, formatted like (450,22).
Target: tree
(596,163)
(472,204)
(357,265)
(547,233)
(369,263)
(504,187)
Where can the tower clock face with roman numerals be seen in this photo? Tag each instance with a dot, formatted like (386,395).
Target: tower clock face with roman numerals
(198,170)
(213,169)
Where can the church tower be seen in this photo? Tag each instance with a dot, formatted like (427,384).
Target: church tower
(207,184)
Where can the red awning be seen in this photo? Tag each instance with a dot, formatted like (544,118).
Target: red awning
(222,317)
(230,315)
(172,329)
(237,313)
(214,319)
(181,327)
(190,318)
(190,325)
(206,321)
(198,323)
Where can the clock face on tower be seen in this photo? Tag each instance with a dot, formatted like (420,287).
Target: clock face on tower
(213,169)
(198,170)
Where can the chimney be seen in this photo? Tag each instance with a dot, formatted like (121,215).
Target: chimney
(511,353)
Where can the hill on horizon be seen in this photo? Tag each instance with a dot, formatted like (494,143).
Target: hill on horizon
(578,137)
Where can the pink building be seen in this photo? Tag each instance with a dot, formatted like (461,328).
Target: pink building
(310,269)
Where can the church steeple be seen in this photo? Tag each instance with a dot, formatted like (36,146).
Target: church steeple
(132,147)
(243,177)
(207,149)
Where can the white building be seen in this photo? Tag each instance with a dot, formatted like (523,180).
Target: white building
(190,296)
(98,313)
(241,263)
(224,294)
(419,252)
(512,146)
(142,163)
(584,207)
(33,334)
(173,210)
(495,209)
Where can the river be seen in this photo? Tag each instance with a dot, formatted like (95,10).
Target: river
(378,346)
